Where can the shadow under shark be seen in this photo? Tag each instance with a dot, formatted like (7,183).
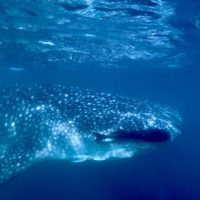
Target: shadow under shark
(40,122)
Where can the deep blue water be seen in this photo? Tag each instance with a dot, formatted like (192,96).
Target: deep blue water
(168,73)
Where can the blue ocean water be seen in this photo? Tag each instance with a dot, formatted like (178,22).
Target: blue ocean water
(142,49)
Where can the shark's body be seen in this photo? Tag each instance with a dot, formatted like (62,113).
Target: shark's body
(54,122)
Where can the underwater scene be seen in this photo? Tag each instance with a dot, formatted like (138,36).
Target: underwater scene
(99,99)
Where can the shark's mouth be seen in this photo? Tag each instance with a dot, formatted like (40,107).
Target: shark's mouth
(149,135)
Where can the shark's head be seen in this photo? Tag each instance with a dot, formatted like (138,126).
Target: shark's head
(143,128)
(111,126)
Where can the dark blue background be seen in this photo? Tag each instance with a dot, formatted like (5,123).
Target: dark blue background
(172,172)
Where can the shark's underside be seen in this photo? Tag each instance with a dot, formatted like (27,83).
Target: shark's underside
(54,122)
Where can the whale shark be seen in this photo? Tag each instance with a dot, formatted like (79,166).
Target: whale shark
(49,121)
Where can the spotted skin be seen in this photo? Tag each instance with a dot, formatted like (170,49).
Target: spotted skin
(40,122)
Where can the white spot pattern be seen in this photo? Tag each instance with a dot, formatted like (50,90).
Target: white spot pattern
(55,122)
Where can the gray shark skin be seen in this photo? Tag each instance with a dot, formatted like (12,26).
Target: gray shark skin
(40,122)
